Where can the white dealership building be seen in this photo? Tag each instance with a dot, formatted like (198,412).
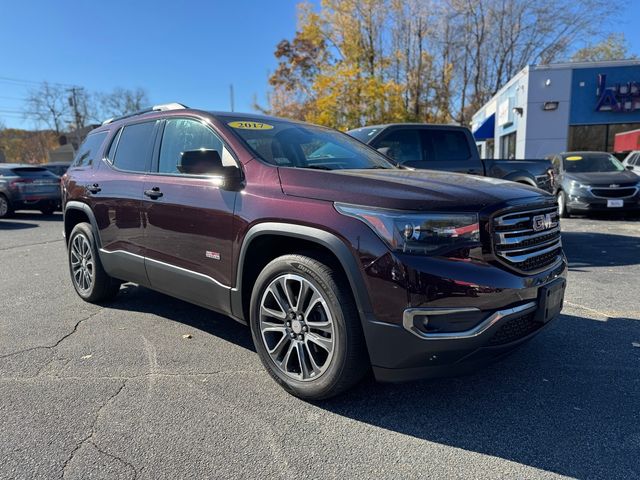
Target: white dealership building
(546,109)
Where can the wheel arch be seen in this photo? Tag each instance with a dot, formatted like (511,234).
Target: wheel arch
(77,212)
(269,240)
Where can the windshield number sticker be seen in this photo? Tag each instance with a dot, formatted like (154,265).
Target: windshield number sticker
(250,125)
(574,158)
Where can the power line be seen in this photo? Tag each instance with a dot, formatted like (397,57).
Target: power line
(33,82)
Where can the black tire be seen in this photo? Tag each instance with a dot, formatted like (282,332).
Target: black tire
(563,209)
(5,207)
(349,360)
(101,286)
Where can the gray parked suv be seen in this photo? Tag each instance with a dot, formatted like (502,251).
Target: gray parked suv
(27,187)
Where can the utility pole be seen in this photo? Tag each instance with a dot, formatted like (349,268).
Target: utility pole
(78,118)
(231,96)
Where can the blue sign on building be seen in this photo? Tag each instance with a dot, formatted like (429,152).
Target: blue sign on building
(605,95)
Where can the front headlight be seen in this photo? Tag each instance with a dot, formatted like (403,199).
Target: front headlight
(577,185)
(419,233)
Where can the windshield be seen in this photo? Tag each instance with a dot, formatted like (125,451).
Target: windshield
(592,162)
(364,134)
(298,145)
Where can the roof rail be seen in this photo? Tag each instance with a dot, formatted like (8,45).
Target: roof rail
(156,108)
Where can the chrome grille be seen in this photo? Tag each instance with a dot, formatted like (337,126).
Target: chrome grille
(528,240)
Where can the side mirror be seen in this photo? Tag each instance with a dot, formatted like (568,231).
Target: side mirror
(200,162)
(208,162)
(629,167)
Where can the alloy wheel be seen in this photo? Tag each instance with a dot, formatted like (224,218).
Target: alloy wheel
(4,206)
(296,327)
(82,265)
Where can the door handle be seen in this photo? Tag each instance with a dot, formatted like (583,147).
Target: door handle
(153,193)
(95,188)
(472,171)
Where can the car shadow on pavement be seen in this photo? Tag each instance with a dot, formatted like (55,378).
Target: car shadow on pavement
(36,216)
(9,225)
(139,299)
(567,402)
(587,249)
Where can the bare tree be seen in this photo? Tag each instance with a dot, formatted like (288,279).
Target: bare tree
(48,104)
(121,101)
(613,47)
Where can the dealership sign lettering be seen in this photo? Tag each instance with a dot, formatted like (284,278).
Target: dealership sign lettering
(620,97)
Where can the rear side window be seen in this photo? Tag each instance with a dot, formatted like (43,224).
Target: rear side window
(32,172)
(134,147)
(445,145)
(88,150)
(402,145)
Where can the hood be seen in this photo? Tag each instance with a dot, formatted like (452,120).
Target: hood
(625,177)
(404,189)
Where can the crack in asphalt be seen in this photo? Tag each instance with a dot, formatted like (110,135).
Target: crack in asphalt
(89,438)
(49,347)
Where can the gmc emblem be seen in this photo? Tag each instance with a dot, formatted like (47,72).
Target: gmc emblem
(543,222)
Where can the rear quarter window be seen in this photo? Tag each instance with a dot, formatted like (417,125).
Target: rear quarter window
(88,150)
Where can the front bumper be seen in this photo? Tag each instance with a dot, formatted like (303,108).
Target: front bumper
(493,312)
(579,201)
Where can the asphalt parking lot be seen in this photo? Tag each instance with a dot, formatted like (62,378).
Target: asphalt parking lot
(116,392)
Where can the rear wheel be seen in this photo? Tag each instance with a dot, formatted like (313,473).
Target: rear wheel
(89,278)
(563,210)
(5,207)
(306,328)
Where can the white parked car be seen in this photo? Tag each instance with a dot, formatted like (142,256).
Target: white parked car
(633,160)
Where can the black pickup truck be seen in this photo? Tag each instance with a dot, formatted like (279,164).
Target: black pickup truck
(449,148)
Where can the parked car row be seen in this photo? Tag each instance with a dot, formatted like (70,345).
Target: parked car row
(340,261)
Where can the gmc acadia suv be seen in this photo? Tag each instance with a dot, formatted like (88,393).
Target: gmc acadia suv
(339,261)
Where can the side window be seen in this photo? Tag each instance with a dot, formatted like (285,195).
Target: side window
(133,148)
(182,135)
(446,145)
(402,145)
(88,150)
(635,159)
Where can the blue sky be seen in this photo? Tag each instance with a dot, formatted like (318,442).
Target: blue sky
(178,51)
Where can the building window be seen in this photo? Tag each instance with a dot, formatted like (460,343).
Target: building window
(590,138)
(596,138)
(508,146)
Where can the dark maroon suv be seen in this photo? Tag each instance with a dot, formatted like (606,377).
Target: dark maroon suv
(340,261)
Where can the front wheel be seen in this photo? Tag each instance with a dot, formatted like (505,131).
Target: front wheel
(306,328)
(89,279)
(563,210)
